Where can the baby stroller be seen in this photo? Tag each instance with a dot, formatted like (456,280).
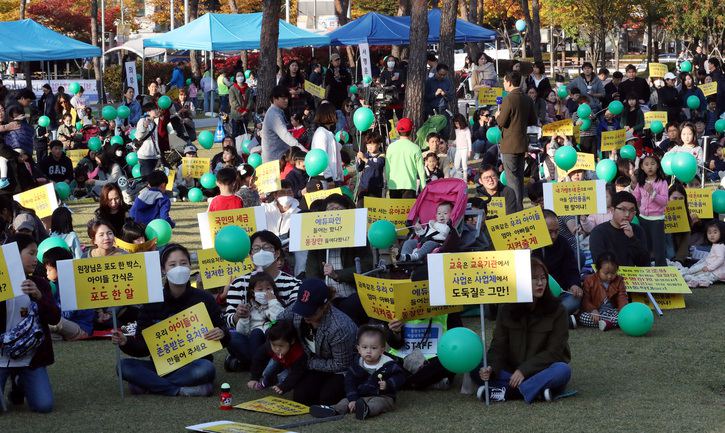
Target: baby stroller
(88,132)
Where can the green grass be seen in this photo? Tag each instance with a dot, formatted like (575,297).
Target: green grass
(672,380)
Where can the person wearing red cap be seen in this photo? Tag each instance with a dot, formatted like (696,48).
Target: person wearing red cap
(404,163)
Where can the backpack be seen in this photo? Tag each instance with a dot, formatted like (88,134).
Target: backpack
(24,337)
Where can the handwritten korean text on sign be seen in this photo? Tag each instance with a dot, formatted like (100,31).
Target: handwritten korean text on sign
(394,210)
(217,272)
(330,229)
(521,230)
(251,219)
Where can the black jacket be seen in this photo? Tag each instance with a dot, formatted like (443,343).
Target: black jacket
(57,171)
(638,87)
(298,178)
(360,383)
(559,260)
(501,191)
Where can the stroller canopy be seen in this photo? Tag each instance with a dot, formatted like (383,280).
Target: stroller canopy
(451,189)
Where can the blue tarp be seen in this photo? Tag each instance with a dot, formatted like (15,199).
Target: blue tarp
(465,31)
(26,40)
(231,32)
(374,29)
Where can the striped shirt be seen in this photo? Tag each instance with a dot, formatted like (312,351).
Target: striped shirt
(286,291)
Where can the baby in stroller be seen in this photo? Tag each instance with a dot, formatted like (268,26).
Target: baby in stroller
(429,236)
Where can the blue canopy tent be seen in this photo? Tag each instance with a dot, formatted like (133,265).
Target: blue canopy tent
(26,40)
(372,28)
(465,31)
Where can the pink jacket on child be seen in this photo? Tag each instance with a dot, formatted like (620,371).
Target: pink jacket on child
(715,261)
(652,205)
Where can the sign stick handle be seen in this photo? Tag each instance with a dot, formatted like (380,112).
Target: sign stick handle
(702,179)
(483,339)
(118,352)
(655,304)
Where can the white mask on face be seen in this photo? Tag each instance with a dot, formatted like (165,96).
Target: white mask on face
(391,65)
(179,275)
(285,201)
(103,128)
(261,298)
(240,80)
(119,153)
(263,259)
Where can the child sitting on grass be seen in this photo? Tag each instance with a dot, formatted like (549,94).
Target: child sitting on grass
(226,179)
(710,268)
(604,295)
(429,237)
(371,382)
(263,310)
(152,203)
(73,325)
(282,358)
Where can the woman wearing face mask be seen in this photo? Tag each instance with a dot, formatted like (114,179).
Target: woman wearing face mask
(193,379)
(241,102)
(548,166)
(393,76)
(267,256)
(324,139)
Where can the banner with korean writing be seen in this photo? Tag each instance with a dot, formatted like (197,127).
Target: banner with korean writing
(171,179)
(676,220)
(251,219)
(496,207)
(489,95)
(613,140)
(651,116)
(699,201)
(314,90)
(322,194)
(584,197)
(195,167)
(519,231)
(584,161)
(655,279)
(330,229)
(666,301)
(179,339)
(41,199)
(112,281)
(275,406)
(75,155)
(708,88)
(560,127)
(268,177)
(217,272)
(12,274)
(376,296)
(484,277)
(233,427)
(657,70)
(394,210)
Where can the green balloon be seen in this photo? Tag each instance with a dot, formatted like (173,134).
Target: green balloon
(635,220)
(232,244)
(460,350)
(74,88)
(123,112)
(245,146)
(188,81)
(684,166)
(109,113)
(471,121)
(503,179)
(208,180)
(635,319)
(116,140)
(561,92)
(616,108)
(94,144)
(363,118)
(586,124)
(247,74)
(195,195)
(720,126)
(606,170)
(342,137)
(686,66)
(160,230)
(62,190)
(316,162)
(346,191)
(584,111)
(656,126)
(43,121)
(382,234)
(718,201)
(132,134)
(136,171)
(79,126)
(255,160)
(554,287)
(667,163)
(206,139)
(693,102)
(367,79)
(353,90)
(493,135)
(565,157)
(132,159)
(628,152)
(164,102)
(51,242)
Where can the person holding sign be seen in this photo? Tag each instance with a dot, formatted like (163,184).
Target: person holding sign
(529,353)
(36,306)
(490,186)
(627,241)
(193,379)
(604,295)
(651,194)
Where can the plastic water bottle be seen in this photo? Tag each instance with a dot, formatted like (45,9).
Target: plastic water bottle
(225,397)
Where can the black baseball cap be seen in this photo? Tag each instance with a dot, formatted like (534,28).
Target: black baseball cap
(312,294)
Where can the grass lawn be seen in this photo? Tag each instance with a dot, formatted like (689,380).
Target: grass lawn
(672,380)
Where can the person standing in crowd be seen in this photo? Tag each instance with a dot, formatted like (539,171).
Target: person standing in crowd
(46,106)
(404,169)
(177,77)
(241,103)
(294,81)
(590,86)
(634,85)
(276,139)
(147,134)
(129,100)
(223,84)
(611,90)
(337,81)
(438,90)
(539,81)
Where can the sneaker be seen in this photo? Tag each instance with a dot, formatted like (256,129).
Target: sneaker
(4,183)
(497,394)
(136,390)
(442,385)
(548,395)
(320,411)
(572,322)
(232,364)
(361,409)
(203,390)
(606,325)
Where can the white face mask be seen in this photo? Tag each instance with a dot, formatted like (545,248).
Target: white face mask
(103,128)
(179,275)
(240,80)
(261,298)
(263,259)
(119,153)
(285,201)
(391,65)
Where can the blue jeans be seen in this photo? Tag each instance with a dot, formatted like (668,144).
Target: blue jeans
(142,373)
(207,100)
(224,103)
(554,377)
(479,146)
(147,166)
(243,347)
(570,302)
(35,384)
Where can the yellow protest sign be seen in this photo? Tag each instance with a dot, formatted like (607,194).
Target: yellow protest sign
(584,161)
(496,207)
(676,220)
(268,177)
(488,95)
(329,229)
(112,281)
(377,297)
(195,167)
(179,339)
(651,116)
(251,219)
(149,245)
(322,194)
(657,70)
(666,301)
(412,301)
(172,178)
(275,406)
(561,127)
(655,279)
(75,155)
(699,200)
(613,140)
(233,427)
(217,272)
(708,88)
(521,230)
(584,197)
(394,210)
(483,277)
(11,272)
(314,90)
(41,199)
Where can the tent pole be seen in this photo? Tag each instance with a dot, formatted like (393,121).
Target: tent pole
(143,68)
(211,103)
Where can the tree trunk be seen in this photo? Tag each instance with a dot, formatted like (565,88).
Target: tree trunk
(193,59)
(268,52)
(403,10)
(417,62)
(341,7)
(94,42)
(649,37)
(448,45)
(533,23)
(233,7)
(472,48)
